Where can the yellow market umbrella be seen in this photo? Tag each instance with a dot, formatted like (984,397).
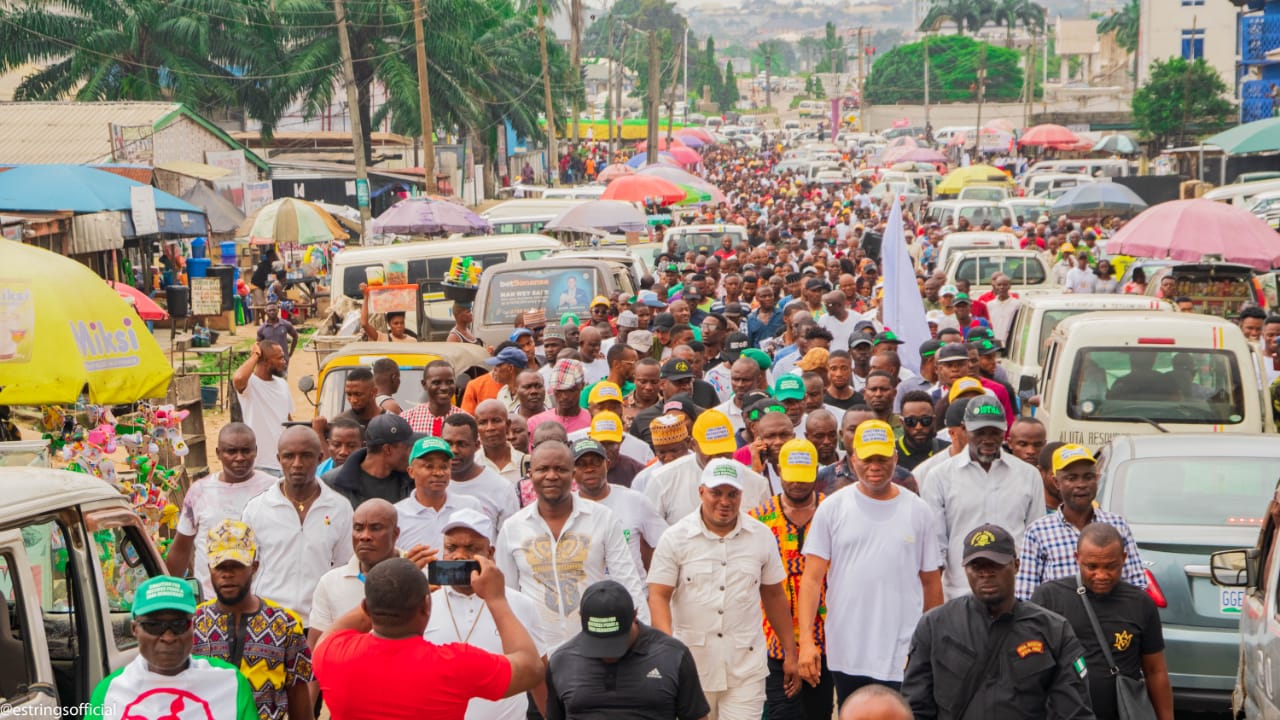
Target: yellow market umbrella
(960,177)
(62,327)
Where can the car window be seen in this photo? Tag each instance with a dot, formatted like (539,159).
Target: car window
(52,568)
(122,558)
(1213,491)
(409,394)
(1161,385)
(1048,323)
(18,669)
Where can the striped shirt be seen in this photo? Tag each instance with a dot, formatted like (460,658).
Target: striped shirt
(1049,552)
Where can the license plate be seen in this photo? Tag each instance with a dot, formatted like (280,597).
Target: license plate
(1230,601)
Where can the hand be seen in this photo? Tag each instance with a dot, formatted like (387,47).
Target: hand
(810,664)
(790,676)
(364,289)
(420,555)
(256,352)
(488,584)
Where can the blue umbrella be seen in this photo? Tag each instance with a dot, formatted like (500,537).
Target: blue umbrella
(81,189)
(1118,144)
(639,160)
(1102,198)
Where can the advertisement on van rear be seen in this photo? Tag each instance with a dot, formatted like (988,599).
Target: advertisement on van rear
(558,291)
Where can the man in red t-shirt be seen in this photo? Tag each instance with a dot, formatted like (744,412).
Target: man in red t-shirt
(392,672)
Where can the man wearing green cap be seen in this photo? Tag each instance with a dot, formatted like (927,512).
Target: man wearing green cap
(423,514)
(165,674)
(789,390)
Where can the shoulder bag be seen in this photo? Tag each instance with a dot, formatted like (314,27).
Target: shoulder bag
(1132,701)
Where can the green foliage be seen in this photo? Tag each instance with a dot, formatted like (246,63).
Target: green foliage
(728,96)
(1125,24)
(832,56)
(777,54)
(1181,95)
(898,75)
(973,15)
(704,71)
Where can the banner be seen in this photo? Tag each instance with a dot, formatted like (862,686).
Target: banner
(256,194)
(142,210)
(903,308)
(132,144)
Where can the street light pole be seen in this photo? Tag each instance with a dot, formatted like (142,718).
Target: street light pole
(654,99)
(684,60)
(353,113)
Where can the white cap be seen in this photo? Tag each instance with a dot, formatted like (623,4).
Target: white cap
(720,472)
(473,520)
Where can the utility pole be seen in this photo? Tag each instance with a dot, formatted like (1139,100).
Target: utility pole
(1029,85)
(353,113)
(617,89)
(575,59)
(553,158)
(424,100)
(982,83)
(926,80)
(654,95)
(671,98)
(768,75)
(608,90)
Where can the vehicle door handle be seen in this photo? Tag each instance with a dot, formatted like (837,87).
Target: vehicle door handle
(1203,571)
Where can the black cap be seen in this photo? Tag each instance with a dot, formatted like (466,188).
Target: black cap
(664,321)
(388,429)
(607,615)
(858,338)
(952,352)
(985,346)
(676,370)
(586,446)
(864,326)
(733,346)
(989,542)
(815,284)
(886,337)
(735,310)
(955,412)
(929,348)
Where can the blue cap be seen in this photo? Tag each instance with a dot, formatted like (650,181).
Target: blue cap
(650,298)
(509,356)
(519,333)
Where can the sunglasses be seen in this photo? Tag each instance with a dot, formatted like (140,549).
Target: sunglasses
(922,421)
(158,627)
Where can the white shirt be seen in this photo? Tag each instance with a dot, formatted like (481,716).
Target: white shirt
(922,471)
(733,412)
(641,480)
(965,496)
(632,446)
(459,618)
(876,550)
(555,573)
(497,496)
(673,490)
(840,331)
(1081,281)
(424,525)
(339,592)
(293,556)
(640,519)
(1001,313)
(595,371)
(208,502)
(266,405)
(715,608)
(512,469)
(721,379)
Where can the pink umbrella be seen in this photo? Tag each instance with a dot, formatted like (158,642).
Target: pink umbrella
(1188,230)
(1050,136)
(612,171)
(919,155)
(146,308)
(643,188)
(903,141)
(684,155)
(662,144)
(683,177)
(699,133)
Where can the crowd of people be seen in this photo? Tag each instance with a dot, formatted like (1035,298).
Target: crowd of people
(736,492)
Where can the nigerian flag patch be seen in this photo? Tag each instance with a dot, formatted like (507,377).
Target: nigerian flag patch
(1081,670)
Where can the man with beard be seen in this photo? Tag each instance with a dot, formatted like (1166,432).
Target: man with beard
(646,395)
(440,386)
(265,400)
(879,393)
(980,485)
(919,440)
(765,322)
(421,517)
(772,431)
(274,658)
(789,515)
(721,374)
(362,398)
(744,376)
(674,488)
(379,469)
(531,394)
(567,381)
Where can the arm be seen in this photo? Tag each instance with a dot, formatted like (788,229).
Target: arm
(777,611)
(917,681)
(1159,689)
(370,332)
(553,708)
(301,706)
(293,339)
(660,606)
(621,565)
(931,581)
(1029,566)
(517,646)
(240,379)
(1133,572)
(178,560)
(815,570)
(1068,690)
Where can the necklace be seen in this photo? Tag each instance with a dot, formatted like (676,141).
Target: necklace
(452,619)
(301,504)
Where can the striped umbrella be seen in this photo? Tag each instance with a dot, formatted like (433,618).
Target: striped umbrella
(291,221)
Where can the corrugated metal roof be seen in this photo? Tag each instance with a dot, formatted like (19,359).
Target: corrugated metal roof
(69,132)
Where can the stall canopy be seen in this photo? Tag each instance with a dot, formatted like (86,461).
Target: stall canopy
(1260,136)
(223,215)
(78,189)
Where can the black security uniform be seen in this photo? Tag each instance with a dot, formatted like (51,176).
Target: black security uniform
(655,680)
(1038,671)
(1130,623)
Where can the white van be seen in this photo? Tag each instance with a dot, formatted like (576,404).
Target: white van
(1038,184)
(1144,372)
(957,241)
(1027,271)
(1037,317)
(698,237)
(574,192)
(429,261)
(715,122)
(813,108)
(946,212)
(1241,193)
(525,217)
(1085,166)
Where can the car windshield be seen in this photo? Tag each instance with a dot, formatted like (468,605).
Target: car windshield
(978,214)
(709,240)
(1158,384)
(983,193)
(1224,491)
(1049,323)
(1021,269)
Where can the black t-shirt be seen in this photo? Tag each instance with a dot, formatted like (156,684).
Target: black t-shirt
(854,399)
(1130,623)
(655,680)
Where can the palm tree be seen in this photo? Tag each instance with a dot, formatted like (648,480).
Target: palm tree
(1011,13)
(1124,23)
(966,14)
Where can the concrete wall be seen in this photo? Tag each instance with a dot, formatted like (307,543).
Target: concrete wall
(185,139)
(1160,34)
(1079,106)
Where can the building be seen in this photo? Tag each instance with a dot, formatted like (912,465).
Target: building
(1259,51)
(1190,29)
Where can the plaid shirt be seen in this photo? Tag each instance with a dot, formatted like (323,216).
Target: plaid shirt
(1049,552)
(790,540)
(422,421)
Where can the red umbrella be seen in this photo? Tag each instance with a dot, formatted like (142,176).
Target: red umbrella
(662,144)
(1050,136)
(1188,230)
(699,133)
(685,155)
(146,307)
(643,188)
(612,171)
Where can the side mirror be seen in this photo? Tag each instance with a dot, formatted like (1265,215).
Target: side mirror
(306,383)
(1233,568)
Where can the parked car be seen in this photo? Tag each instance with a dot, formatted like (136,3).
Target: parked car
(1027,270)
(412,358)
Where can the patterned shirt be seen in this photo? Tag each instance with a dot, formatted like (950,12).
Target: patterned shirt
(272,649)
(790,539)
(422,421)
(1049,552)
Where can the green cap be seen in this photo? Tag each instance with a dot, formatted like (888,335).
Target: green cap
(761,357)
(569,319)
(164,592)
(788,387)
(427,445)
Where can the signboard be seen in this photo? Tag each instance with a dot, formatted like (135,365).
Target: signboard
(132,144)
(232,186)
(206,296)
(362,193)
(557,291)
(142,210)
(256,194)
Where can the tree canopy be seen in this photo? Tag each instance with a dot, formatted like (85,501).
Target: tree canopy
(898,75)
(1179,96)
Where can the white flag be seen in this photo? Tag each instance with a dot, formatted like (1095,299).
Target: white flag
(903,307)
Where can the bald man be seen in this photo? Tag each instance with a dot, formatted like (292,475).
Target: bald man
(594,365)
(302,525)
(875,702)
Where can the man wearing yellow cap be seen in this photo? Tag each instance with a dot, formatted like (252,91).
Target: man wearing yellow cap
(263,639)
(876,547)
(788,515)
(674,489)
(1048,550)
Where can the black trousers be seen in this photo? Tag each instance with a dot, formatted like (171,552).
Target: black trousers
(811,703)
(847,685)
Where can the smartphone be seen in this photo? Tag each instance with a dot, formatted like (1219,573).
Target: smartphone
(451,572)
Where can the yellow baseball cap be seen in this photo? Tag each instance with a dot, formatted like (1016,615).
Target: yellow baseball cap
(1069,454)
(964,386)
(600,300)
(714,433)
(606,427)
(604,391)
(798,461)
(231,540)
(873,438)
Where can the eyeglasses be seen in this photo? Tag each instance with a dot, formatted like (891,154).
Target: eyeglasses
(158,627)
(922,421)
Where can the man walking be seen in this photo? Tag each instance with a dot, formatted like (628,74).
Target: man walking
(496,496)
(265,399)
(642,526)
(440,386)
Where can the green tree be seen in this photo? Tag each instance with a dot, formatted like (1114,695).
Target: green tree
(705,72)
(898,75)
(728,96)
(832,55)
(1179,96)
(777,54)
(1011,13)
(969,15)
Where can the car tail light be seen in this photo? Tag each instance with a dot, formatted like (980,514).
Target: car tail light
(1154,592)
(1156,341)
